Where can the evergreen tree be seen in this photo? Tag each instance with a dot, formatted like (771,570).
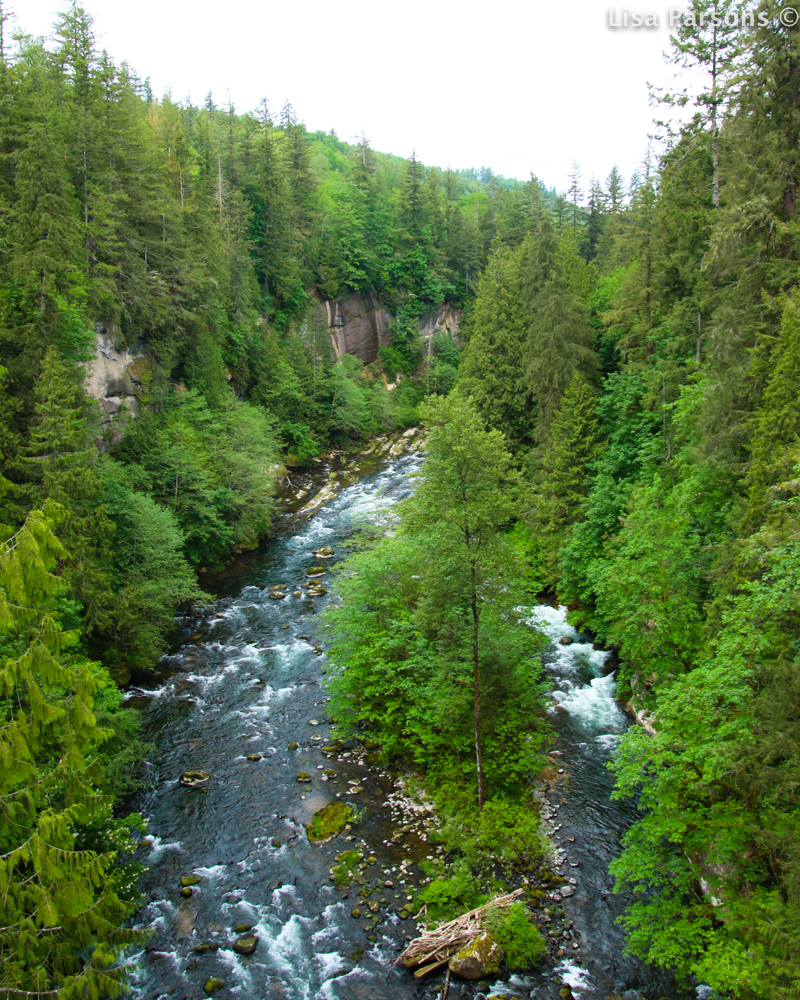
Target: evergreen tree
(566,465)
(490,370)
(62,907)
(558,343)
(775,445)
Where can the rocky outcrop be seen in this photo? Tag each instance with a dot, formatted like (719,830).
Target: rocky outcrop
(444,319)
(359,325)
(114,378)
(481,957)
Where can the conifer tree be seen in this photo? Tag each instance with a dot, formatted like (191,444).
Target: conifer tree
(491,369)
(572,448)
(775,446)
(558,343)
(61,909)
(59,458)
(44,222)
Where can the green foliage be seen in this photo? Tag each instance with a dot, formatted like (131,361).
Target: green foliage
(519,938)
(446,898)
(558,342)
(571,452)
(63,903)
(491,370)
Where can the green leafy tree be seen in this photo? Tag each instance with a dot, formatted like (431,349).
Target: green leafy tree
(469,492)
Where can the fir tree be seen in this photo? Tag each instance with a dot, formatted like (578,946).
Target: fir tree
(573,447)
(490,371)
(558,343)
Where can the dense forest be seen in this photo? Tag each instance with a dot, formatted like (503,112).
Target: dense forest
(622,400)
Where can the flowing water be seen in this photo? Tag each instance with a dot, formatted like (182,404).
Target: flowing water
(244,685)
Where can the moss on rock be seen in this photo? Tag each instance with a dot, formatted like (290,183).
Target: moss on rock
(328,821)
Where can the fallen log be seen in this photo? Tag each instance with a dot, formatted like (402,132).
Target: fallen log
(435,947)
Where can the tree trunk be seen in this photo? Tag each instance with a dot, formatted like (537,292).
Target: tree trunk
(476,688)
(714,131)
(790,190)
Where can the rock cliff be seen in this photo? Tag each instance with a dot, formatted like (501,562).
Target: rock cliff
(359,325)
(114,379)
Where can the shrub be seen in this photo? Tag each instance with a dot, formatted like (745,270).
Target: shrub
(517,936)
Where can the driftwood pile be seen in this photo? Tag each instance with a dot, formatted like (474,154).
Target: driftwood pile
(434,948)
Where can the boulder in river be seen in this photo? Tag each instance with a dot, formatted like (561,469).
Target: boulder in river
(213,985)
(303,777)
(481,957)
(189,880)
(277,595)
(566,640)
(242,928)
(567,890)
(191,779)
(315,571)
(201,949)
(328,822)
(246,945)
(326,552)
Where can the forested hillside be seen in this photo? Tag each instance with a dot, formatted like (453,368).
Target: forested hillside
(647,371)
(638,346)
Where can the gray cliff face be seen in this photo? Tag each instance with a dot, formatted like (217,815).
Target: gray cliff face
(114,379)
(359,325)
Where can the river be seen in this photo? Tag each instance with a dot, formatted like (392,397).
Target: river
(241,687)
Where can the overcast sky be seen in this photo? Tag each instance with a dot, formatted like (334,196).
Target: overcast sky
(516,87)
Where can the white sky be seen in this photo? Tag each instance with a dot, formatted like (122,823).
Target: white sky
(517,87)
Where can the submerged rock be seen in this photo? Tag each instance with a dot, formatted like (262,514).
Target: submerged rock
(246,945)
(481,957)
(191,779)
(328,822)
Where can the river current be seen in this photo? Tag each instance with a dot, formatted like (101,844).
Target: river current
(242,686)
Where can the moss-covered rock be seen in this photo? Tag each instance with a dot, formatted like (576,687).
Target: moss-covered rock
(328,821)
(246,945)
(481,957)
(213,985)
